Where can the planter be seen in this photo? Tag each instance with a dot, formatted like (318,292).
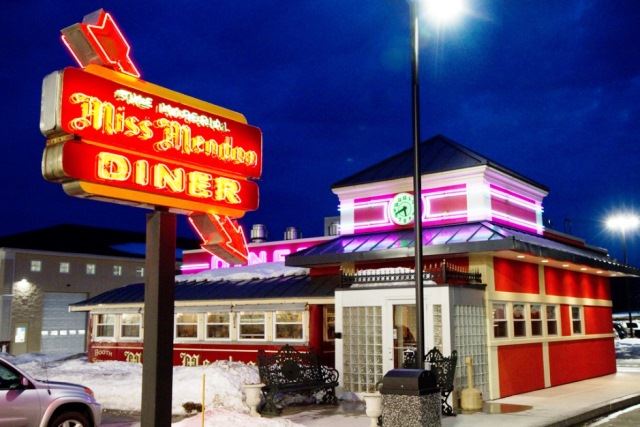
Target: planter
(373,402)
(253,396)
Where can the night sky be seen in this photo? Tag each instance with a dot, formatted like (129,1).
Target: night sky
(550,89)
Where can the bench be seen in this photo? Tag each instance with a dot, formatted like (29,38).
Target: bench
(291,371)
(445,370)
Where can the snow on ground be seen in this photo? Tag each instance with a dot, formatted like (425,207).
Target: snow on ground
(257,271)
(628,349)
(118,386)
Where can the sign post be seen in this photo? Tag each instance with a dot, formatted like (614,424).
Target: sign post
(157,367)
(112,136)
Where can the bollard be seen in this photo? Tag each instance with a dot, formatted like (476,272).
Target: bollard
(410,398)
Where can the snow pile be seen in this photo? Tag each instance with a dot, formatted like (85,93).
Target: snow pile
(257,271)
(223,381)
(627,349)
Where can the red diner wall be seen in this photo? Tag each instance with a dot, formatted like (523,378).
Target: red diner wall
(521,368)
(578,360)
(516,276)
(597,320)
(574,284)
(565,320)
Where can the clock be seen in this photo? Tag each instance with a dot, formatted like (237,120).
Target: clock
(401,209)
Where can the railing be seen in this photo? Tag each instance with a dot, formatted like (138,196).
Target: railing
(440,273)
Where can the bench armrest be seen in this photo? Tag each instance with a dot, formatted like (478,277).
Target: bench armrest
(329,375)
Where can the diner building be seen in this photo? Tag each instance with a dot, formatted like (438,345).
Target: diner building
(530,305)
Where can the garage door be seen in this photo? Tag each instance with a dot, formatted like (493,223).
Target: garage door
(62,331)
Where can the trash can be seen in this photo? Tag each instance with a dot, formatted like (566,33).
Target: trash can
(410,398)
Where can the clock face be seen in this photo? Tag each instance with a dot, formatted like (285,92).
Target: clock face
(401,209)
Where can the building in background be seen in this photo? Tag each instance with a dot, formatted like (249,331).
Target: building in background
(43,271)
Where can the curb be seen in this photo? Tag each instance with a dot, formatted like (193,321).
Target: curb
(604,409)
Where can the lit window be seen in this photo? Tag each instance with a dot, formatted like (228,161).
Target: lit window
(218,326)
(552,320)
(499,321)
(105,325)
(329,323)
(251,326)
(117,270)
(140,271)
(187,325)
(36,265)
(64,267)
(288,325)
(130,325)
(91,269)
(576,320)
(519,321)
(536,320)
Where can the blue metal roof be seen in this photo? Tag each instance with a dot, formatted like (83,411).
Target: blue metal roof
(438,154)
(270,288)
(448,240)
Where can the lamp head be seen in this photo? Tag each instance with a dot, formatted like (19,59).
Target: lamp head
(623,222)
(444,11)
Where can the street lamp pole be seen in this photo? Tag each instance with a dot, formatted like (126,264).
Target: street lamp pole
(626,282)
(417,184)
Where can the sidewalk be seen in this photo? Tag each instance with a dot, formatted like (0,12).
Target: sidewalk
(564,405)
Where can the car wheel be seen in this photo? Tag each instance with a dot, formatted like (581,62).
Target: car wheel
(70,419)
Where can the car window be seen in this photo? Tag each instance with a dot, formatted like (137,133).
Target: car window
(8,378)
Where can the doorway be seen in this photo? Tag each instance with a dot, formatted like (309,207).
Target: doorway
(404,331)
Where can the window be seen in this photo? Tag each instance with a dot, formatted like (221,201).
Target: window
(64,267)
(536,320)
(218,326)
(519,321)
(130,325)
(36,265)
(251,326)
(140,271)
(288,325)
(105,325)
(499,321)
(552,320)
(91,269)
(576,320)
(187,325)
(329,323)
(117,270)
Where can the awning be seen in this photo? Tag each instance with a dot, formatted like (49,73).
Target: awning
(449,240)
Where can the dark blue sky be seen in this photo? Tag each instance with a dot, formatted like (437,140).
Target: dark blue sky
(550,89)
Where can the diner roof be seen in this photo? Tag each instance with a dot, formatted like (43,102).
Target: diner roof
(446,240)
(282,287)
(438,154)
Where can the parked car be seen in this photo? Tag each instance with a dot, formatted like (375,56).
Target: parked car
(25,401)
(619,330)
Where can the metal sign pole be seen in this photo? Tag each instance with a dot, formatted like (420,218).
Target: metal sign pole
(157,367)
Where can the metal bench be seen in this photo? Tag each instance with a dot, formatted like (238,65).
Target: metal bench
(291,371)
(445,370)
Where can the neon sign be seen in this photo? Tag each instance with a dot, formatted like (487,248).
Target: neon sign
(98,40)
(114,137)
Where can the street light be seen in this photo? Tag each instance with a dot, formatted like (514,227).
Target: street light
(625,223)
(442,11)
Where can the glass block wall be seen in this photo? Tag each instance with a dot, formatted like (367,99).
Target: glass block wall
(362,351)
(471,340)
(437,326)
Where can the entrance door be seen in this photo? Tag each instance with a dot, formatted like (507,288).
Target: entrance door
(404,331)
(20,341)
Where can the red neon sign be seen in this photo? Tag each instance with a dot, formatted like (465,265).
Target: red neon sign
(107,44)
(115,137)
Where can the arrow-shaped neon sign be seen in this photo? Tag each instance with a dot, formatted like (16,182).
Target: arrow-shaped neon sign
(221,236)
(98,40)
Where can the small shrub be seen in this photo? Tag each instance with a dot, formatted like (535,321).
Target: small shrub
(190,407)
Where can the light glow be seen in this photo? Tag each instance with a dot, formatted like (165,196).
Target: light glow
(444,11)
(623,222)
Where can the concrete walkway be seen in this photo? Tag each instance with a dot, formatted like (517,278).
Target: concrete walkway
(564,405)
